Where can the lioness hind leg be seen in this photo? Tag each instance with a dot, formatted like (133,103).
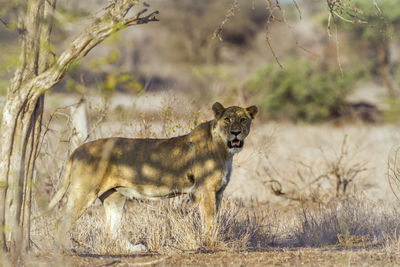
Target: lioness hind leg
(77,203)
(113,203)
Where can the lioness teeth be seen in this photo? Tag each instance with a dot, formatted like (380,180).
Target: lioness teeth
(235,143)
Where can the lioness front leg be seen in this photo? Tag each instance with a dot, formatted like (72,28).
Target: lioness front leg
(218,197)
(206,200)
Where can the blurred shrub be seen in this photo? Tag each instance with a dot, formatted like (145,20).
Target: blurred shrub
(121,81)
(3,87)
(211,82)
(302,91)
(391,114)
(9,58)
(106,73)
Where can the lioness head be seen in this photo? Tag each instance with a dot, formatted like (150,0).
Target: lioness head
(233,124)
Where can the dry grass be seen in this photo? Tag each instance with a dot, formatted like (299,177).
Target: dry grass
(348,223)
(174,226)
(168,226)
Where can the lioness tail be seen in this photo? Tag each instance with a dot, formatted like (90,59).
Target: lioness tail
(64,187)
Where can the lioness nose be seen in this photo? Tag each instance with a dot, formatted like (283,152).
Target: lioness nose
(235,132)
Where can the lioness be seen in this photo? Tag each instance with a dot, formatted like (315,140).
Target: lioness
(113,169)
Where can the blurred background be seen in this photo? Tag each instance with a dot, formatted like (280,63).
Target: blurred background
(294,60)
(325,76)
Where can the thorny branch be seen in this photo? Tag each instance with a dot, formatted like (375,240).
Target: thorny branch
(297,7)
(394,174)
(339,171)
(272,7)
(142,20)
(47,126)
(336,9)
(275,13)
(377,7)
(229,14)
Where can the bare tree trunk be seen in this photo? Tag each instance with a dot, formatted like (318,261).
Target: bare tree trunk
(21,158)
(21,125)
(22,114)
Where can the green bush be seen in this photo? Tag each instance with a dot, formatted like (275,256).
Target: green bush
(302,91)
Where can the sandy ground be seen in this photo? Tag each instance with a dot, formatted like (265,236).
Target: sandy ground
(276,257)
(279,151)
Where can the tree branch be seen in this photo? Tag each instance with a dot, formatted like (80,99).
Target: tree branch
(4,22)
(112,20)
(142,20)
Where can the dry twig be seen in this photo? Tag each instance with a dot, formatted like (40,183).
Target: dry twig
(309,189)
(229,14)
(394,174)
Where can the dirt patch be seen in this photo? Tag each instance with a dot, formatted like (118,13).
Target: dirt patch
(276,257)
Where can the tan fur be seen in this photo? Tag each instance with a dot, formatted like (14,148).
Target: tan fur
(114,169)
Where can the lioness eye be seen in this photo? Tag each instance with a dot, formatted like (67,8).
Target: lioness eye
(243,120)
(227,120)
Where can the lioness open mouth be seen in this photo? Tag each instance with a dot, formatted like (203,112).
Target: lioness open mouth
(235,143)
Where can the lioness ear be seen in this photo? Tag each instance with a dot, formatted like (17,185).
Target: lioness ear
(252,111)
(218,110)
